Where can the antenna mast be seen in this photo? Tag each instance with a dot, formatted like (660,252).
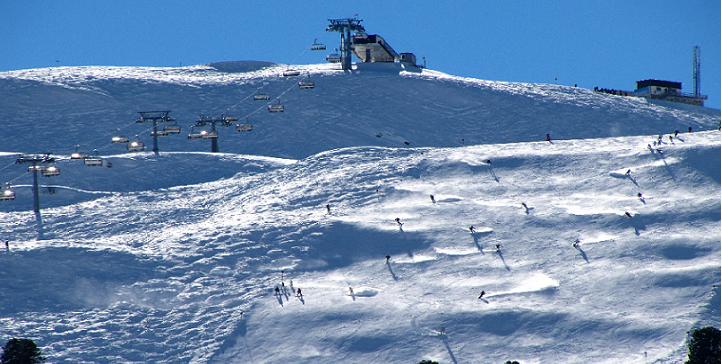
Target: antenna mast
(695,71)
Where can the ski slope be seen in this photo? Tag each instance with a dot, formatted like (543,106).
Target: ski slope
(58,108)
(175,258)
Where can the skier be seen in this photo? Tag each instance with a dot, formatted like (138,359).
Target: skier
(481,294)
(328,208)
(278,291)
(7,245)
(398,221)
(628,173)
(639,195)
(387,259)
(628,214)
(689,129)
(298,293)
(471,228)
(676,132)
(659,139)
(487,161)
(498,248)
(433,200)
(670,139)
(650,147)
(576,243)
(526,208)
(548,138)
(350,291)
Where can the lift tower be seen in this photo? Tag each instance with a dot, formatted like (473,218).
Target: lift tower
(38,163)
(345,26)
(155,117)
(212,134)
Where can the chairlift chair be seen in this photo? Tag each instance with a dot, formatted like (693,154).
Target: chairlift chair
(172,129)
(196,133)
(50,171)
(276,107)
(306,83)
(77,154)
(316,46)
(291,72)
(93,161)
(229,120)
(161,132)
(36,168)
(209,134)
(136,146)
(261,97)
(7,193)
(244,127)
(333,57)
(119,139)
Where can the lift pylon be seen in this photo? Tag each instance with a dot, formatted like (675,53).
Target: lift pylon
(155,117)
(212,134)
(37,163)
(346,26)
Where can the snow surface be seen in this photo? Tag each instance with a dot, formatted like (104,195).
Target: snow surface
(63,106)
(174,259)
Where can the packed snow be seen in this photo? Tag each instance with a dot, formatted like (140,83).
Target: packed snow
(175,258)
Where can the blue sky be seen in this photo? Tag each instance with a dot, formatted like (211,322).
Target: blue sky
(591,43)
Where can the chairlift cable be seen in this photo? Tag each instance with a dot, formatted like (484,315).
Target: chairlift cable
(8,166)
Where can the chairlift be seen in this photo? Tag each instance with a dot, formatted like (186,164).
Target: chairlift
(244,127)
(161,132)
(119,139)
(333,57)
(261,97)
(291,72)
(36,168)
(93,161)
(229,120)
(209,134)
(316,46)
(172,129)
(50,171)
(7,193)
(77,154)
(196,133)
(306,83)
(136,146)
(276,107)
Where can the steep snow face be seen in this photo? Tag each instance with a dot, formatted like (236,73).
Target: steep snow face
(186,274)
(57,108)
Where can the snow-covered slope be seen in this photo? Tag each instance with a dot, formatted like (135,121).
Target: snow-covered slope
(174,259)
(60,107)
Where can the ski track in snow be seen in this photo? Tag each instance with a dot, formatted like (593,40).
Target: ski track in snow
(181,267)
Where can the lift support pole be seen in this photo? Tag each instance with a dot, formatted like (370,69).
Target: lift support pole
(346,26)
(154,117)
(222,120)
(36,190)
(35,161)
